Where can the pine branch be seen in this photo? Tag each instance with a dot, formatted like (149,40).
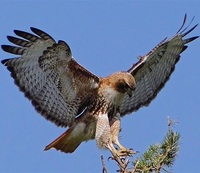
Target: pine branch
(159,156)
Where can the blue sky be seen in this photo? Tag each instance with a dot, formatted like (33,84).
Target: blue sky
(105,37)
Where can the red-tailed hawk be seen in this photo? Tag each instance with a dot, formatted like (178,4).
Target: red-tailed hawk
(70,96)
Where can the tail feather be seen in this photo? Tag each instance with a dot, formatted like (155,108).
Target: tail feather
(69,140)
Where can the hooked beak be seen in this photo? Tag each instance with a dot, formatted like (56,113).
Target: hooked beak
(130,91)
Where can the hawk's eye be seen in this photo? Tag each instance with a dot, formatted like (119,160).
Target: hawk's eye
(122,86)
(126,86)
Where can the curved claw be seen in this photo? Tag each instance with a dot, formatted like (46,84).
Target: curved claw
(111,157)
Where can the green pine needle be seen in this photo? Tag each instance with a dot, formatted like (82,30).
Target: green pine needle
(159,156)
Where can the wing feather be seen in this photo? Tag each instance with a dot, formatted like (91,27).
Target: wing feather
(154,69)
(58,87)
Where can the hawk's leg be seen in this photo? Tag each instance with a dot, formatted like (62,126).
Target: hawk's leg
(115,129)
(107,135)
(103,134)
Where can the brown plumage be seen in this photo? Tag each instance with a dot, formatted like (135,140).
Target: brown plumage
(69,95)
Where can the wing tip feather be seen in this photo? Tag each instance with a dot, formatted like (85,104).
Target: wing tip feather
(190,39)
(190,30)
(19,32)
(4,47)
(42,34)
(4,62)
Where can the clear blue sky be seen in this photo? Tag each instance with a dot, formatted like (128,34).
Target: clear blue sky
(105,37)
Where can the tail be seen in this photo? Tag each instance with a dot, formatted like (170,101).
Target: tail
(69,140)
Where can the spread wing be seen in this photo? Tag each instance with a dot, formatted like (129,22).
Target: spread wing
(153,70)
(46,72)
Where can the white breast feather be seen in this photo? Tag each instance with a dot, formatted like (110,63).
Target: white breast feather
(113,96)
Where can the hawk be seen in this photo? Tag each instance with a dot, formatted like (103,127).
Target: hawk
(69,95)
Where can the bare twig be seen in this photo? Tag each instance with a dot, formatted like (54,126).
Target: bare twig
(122,163)
(170,123)
(135,167)
(104,166)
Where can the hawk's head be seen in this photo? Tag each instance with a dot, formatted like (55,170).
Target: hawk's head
(122,82)
(125,83)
